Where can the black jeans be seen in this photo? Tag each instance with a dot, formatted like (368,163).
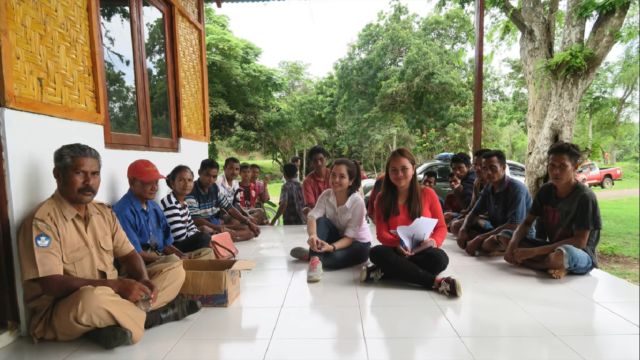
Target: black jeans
(194,242)
(355,254)
(420,269)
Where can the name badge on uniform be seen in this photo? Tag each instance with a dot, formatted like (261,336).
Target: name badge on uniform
(42,240)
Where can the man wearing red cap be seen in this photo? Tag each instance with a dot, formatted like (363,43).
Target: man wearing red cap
(143,219)
(147,228)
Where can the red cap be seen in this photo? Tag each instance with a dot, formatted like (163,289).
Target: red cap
(143,170)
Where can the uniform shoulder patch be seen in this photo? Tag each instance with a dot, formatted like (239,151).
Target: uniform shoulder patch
(43,240)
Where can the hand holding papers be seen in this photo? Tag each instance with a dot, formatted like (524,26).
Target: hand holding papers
(413,235)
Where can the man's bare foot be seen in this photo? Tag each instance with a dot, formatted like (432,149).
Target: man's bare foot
(493,246)
(556,264)
(557,273)
(472,247)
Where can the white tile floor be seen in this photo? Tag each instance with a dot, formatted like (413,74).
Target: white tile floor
(505,313)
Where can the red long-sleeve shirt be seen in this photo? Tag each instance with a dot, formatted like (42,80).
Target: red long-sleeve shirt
(313,186)
(430,208)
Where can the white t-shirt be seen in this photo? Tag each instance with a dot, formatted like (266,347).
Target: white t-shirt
(228,190)
(349,218)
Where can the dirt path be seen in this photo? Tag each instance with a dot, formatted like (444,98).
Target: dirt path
(616,194)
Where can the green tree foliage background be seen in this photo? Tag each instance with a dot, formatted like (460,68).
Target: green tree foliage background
(406,81)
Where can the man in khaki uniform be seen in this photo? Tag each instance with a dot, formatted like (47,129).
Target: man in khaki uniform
(67,248)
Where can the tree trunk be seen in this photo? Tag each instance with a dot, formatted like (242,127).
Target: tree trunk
(304,165)
(554,94)
(556,125)
(629,90)
(590,139)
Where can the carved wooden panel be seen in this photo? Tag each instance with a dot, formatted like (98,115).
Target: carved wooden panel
(192,116)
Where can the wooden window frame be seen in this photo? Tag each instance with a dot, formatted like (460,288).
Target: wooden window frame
(145,139)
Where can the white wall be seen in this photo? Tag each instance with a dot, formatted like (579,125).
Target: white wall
(28,143)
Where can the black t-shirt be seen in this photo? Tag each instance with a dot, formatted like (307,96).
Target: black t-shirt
(467,188)
(560,218)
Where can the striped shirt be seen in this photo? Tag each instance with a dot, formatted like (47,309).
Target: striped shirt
(178,217)
(206,205)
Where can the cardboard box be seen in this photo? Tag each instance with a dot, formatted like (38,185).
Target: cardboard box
(213,282)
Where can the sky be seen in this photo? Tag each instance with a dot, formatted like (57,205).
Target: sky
(316,32)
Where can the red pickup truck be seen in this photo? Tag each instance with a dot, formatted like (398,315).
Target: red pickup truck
(590,174)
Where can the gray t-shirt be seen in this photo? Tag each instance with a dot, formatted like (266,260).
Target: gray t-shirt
(560,218)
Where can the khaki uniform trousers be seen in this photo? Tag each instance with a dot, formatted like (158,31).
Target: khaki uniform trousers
(93,307)
(201,254)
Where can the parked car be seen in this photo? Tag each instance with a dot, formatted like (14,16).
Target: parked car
(367,186)
(516,170)
(442,169)
(590,174)
(445,156)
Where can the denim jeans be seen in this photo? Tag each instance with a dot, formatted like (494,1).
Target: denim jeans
(576,261)
(356,253)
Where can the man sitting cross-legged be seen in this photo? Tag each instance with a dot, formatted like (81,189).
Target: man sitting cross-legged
(567,221)
(317,180)
(461,167)
(429,180)
(262,189)
(452,203)
(206,206)
(478,185)
(505,200)
(248,196)
(67,249)
(144,221)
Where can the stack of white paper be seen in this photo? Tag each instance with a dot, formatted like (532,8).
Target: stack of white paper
(420,230)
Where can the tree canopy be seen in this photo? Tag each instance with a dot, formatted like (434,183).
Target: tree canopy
(407,81)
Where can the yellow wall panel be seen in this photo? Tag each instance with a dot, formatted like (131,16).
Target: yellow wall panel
(49,58)
(190,74)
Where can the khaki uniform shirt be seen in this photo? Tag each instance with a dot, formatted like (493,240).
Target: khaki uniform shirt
(56,240)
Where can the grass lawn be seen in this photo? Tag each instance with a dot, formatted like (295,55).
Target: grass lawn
(274,190)
(620,238)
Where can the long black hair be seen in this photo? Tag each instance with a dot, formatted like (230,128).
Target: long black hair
(389,193)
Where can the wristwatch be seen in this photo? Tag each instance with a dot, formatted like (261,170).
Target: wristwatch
(334,247)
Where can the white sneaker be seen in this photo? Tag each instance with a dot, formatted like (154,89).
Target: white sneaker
(314,273)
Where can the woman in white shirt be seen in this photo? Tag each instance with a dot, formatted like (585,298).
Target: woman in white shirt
(339,236)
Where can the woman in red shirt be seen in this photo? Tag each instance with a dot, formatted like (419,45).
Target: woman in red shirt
(400,202)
